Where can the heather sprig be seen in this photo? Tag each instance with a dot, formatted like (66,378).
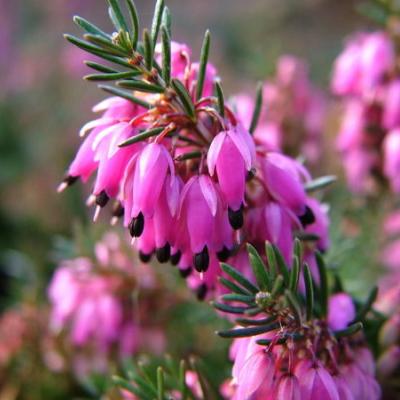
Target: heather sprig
(141,72)
(275,299)
(292,342)
(189,180)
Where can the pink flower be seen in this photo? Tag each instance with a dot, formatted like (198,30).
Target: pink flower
(283,178)
(232,154)
(288,388)
(91,301)
(391,148)
(378,57)
(152,165)
(256,370)
(200,201)
(362,64)
(315,382)
(341,311)
(391,108)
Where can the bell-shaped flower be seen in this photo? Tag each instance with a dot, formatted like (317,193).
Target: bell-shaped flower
(231,156)
(151,169)
(198,209)
(315,382)
(377,58)
(288,388)
(284,181)
(341,311)
(347,68)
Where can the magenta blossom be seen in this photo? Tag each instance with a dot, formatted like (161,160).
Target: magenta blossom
(341,311)
(192,190)
(92,301)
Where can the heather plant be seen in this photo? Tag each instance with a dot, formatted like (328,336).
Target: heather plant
(190,176)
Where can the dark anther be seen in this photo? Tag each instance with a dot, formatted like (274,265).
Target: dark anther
(202,260)
(308,217)
(70,180)
(136,226)
(102,199)
(223,254)
(236,218)
(175,258)
(144,257)
(185,272)
(118,210)
(250,174)
(201,292)
(163,253)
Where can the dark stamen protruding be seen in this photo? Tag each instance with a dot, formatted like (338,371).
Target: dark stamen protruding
(250,174)
(67,181)
(236,218)
(185,272)
(102,199)
(308,217)
(163,253)
(144,257)
(201,292)
(136,226)
(223,254)
(176,257)
(118,210)
(202,260)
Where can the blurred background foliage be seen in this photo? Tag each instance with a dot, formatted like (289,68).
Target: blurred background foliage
(43,103)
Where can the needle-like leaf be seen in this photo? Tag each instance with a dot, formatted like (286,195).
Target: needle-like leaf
(257,108)
(221,101)
(166,56)
(134,22)
(205,50)
(117,16)
(89,27)
(125,95)
(155,26)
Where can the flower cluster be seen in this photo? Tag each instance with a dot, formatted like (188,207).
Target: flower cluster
(318,366)
(190,181)
(92,303)
(366,76)
(296,346)
(292,119)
